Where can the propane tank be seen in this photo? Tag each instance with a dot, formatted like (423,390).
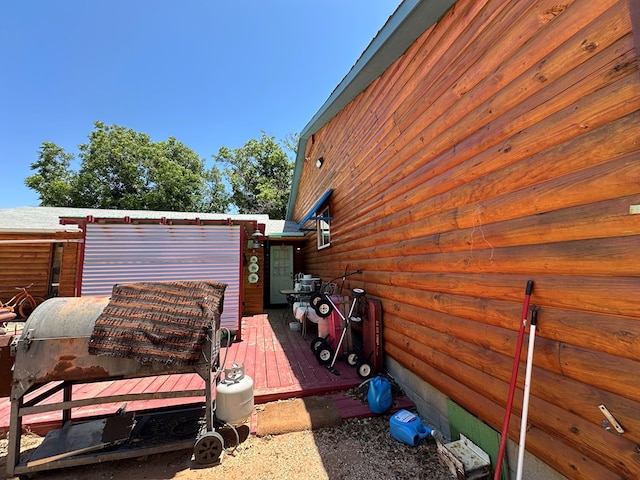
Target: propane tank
(234,396)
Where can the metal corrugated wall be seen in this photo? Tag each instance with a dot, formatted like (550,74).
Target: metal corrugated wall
(125,253)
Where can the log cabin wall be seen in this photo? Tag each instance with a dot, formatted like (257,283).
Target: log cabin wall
(503,146)
(50,262)
(69,264)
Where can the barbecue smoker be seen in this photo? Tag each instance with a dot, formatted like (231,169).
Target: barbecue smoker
(52,355)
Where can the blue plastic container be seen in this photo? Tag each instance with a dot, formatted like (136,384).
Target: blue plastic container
(379,395)
(407,427)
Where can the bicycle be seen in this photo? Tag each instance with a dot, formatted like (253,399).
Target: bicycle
(22,303)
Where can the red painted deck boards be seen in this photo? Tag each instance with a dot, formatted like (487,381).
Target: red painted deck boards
(279,361)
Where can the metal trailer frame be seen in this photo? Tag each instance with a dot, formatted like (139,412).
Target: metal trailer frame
(39,358)
(368,358)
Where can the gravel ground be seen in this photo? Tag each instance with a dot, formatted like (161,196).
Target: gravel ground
(357,449)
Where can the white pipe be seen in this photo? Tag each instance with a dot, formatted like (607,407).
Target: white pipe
(525,398)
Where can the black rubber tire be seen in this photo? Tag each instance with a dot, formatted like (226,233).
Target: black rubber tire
(323,308)
(353,358)
(364,369)
(314,299)
(208,448)
(324,354)
(316,343)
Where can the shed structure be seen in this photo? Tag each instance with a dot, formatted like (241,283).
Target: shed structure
(476,145)
(84,252)
(42,253)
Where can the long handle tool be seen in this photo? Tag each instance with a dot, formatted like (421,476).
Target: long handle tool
(514,378)
(527,392)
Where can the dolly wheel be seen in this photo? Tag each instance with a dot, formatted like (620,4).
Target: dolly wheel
(363,369)
(323,308)
(352,359)
(208,448)
(314,299)
(324,354)
(316,343)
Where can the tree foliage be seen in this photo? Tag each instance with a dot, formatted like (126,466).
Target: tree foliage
(54,179)
(124,169)
(260,176)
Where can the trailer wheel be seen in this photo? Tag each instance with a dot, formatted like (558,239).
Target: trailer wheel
(316,343)
(314,299)
(363,369)
(208,448)
(324,354)
(323,308)
(352,359)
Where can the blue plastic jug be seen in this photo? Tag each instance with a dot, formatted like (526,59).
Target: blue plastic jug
(379,395)
(408,428)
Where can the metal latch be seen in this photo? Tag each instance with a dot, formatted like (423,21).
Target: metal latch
(610,424)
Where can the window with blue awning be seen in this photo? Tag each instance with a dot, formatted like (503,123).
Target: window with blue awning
(311,214)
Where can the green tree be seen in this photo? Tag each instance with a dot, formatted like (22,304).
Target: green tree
(291,142)
(260,176)
(216,198)
(123,169)
(53,182)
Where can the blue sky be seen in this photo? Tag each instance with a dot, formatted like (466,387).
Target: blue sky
(210,73)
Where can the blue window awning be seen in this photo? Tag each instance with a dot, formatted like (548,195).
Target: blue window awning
(311,213)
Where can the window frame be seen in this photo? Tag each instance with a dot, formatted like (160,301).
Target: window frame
(323,227)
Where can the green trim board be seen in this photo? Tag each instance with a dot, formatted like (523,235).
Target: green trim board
(462,421)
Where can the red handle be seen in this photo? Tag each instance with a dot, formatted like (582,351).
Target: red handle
(514,377)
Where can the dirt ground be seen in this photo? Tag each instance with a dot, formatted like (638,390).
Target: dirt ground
(357,449)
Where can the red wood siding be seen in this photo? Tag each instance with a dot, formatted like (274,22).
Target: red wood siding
(502,147)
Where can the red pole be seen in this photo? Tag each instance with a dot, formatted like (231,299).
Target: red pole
(514,377)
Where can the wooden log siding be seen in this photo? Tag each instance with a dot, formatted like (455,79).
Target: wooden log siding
(24,263)
(69,269)
(502,146)
(253,293)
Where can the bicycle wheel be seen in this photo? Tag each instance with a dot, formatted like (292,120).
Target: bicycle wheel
(28,305)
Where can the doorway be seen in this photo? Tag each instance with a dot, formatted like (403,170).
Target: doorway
(281,268)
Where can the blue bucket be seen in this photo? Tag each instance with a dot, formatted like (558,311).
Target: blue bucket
(407,427)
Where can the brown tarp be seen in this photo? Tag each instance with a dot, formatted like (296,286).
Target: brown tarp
(158,321)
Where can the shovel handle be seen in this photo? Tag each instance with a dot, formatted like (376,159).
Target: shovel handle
(512,386)
(529,288)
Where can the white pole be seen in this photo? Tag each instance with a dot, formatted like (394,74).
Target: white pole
(525,398)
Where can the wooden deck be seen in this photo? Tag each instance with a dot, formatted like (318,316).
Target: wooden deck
(280,362)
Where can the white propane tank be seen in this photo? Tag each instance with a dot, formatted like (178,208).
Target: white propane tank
(234,396)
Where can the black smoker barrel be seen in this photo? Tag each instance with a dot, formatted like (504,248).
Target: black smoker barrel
(59,335)
(54,346)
